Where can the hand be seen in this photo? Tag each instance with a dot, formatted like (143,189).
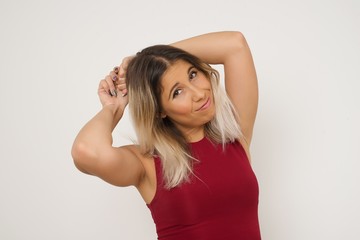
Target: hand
(112,90)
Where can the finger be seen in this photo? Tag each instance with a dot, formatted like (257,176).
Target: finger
(111,85)
(103,87)
(114,76)
(116,69)
(121,87)
(124,65)
(125,62)
(124,92)
(121,81)
(122,71)
(121,84)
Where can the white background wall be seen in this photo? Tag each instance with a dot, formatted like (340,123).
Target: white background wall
(306,144)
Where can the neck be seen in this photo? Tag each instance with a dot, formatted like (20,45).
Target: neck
(194,135)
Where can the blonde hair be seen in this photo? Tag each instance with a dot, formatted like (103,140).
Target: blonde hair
(159,136)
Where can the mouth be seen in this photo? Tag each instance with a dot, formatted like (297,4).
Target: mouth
(205,105)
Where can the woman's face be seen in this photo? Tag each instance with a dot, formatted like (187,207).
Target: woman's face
(187,98)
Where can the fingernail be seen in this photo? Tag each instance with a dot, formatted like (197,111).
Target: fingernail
(113,93)
(124,94)
(116,69)
(114,78)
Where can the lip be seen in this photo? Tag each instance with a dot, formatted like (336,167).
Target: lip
(205,105)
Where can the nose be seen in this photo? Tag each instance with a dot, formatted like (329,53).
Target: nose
(197,93)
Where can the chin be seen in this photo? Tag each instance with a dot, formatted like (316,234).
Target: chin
(210,118)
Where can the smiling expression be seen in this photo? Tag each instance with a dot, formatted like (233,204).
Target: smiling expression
(187,98)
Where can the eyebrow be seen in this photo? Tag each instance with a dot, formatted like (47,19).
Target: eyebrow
(177,83)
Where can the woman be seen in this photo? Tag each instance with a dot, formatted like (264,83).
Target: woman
(192,164)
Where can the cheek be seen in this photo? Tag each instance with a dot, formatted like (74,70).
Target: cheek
(181,108)
(202,82)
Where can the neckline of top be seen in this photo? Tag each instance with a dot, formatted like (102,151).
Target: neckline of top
(199,141)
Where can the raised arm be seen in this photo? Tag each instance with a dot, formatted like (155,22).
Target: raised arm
(231,50)
(92,150)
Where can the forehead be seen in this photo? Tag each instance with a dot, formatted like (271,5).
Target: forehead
(175,73)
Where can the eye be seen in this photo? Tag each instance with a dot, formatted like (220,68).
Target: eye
(193,74)
(176,92)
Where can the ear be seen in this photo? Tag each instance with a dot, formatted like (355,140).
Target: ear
(161,114)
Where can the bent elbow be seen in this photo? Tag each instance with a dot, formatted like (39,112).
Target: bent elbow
(239,40)
(82,156)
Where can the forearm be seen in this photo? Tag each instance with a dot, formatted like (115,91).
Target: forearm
(213,48)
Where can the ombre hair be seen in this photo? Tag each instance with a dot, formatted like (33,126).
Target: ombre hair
(159,136)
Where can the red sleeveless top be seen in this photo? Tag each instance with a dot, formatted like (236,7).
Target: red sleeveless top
(219,203)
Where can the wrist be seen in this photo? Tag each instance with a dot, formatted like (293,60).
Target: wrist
(115,110)
(111,107)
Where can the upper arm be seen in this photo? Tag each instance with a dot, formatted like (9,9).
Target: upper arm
(241,83)
(120,166)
